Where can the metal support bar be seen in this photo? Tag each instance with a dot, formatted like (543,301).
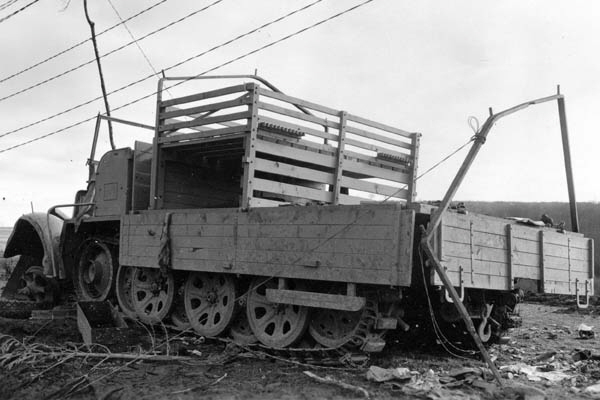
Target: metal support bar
(582,306)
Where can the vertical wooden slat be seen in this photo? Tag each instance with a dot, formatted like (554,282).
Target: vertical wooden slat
(154,179)
(340,158)
(569,259)
(472,251)
(509,245)
(414,155)
(591,272)
(542,263)
(250,149)
(440,241)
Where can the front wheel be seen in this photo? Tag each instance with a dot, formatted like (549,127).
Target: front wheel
(95,274)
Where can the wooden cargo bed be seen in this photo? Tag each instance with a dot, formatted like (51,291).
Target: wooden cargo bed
(361,244)
(493,252)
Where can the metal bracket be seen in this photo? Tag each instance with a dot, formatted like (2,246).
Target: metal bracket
(461,288)
(587,294)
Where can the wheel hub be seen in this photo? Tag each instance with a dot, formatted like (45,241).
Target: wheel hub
(152,294)
(274,325)
(209,302)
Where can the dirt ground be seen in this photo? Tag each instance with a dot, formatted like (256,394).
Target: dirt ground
(548,339)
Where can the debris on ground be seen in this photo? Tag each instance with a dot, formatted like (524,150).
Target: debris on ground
(378,374)
(343,385)
(585,331)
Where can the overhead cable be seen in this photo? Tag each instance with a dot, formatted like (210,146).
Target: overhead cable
(18,11)
(7,4)
(166,69)
(179,83)
(60,53)
(109,53)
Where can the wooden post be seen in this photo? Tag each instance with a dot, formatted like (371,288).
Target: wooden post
(510,256)
(250,149)
(414,154)
(568,168)
(542,263)
(337,182)
(156,156)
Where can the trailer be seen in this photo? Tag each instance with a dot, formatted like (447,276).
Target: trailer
(275,219)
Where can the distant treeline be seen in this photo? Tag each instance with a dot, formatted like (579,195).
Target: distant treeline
(589,219)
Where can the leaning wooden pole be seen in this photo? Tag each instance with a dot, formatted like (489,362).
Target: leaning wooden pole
(436,219)
(104,95)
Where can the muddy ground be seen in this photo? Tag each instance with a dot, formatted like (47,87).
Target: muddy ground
(548,339)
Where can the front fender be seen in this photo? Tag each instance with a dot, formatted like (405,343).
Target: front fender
(38,235)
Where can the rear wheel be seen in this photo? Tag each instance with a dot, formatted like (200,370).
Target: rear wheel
(274,325)
(209,301)
(96,270)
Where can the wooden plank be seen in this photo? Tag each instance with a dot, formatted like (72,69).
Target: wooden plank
(482,239)
(293,171)
(313,299)
(287,189)
(295,153)
(207,107)
(562,239)
(340,156)
(378,125)
(308,245)
(381,262)
(297,102)
(258,202)
(206,121)
(188,137)
(406,228)
(375,172)
(372,187)
(207,95)
(297,114)
(298,128)
(375,148)
(378,137)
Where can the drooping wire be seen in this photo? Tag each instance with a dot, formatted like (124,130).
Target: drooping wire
(80,43)
(443,340)
(18,11)
(166,69)
(45,81)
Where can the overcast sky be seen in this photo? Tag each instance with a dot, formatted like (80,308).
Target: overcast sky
(421,66)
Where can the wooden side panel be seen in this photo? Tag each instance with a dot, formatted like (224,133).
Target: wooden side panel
(493,252)
(362,244)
